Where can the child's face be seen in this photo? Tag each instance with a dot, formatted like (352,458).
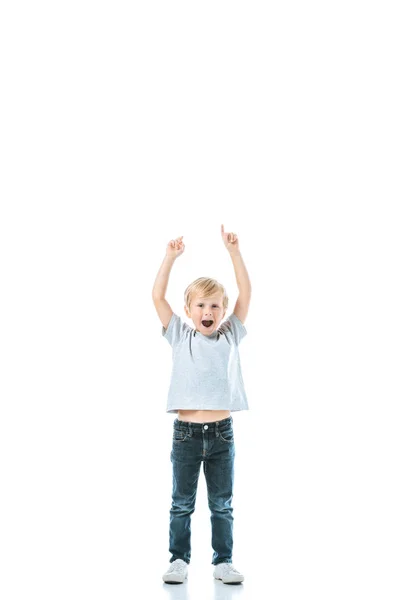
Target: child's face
(206,309)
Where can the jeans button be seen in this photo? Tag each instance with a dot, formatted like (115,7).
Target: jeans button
(205,426)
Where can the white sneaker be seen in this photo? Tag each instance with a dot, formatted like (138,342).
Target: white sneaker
(227,572)
(177,572)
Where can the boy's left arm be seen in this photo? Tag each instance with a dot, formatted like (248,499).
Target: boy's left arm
(243,281)
(231,243)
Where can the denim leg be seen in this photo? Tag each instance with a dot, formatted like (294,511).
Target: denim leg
(185,474)
(219,474)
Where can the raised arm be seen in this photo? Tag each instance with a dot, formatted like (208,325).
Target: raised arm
(174,249)
(242,277)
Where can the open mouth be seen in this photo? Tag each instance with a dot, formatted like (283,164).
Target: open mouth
(207,323)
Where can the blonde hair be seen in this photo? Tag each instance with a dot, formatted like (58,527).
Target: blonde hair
(205,287)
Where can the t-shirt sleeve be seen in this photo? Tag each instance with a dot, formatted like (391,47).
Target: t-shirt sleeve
(235,328)
(175,331)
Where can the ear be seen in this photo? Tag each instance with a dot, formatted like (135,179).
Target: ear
(187,311)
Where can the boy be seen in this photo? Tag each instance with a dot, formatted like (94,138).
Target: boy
(206,385)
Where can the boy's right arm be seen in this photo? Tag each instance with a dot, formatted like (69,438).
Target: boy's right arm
(163,309)
(174,249)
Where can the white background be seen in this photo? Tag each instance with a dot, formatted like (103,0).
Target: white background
(127,124)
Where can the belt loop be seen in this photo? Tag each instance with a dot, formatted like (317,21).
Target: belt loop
(190,430)
(216,429)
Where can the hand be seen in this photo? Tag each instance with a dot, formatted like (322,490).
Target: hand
(175,247)
(231,241)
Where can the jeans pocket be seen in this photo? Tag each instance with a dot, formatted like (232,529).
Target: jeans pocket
(179,436)
(227,435)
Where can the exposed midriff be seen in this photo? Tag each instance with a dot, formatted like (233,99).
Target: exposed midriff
(203,416)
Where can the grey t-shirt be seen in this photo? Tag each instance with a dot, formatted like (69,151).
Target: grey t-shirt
(206,372)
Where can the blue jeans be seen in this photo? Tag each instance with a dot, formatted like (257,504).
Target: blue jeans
(213,444)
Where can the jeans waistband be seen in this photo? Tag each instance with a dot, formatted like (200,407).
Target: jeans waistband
(210,426)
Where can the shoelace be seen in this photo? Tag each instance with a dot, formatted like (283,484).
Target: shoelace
(176,566)
(228,568)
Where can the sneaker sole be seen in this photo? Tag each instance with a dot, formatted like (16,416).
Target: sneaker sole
(173,579)
(233,582)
